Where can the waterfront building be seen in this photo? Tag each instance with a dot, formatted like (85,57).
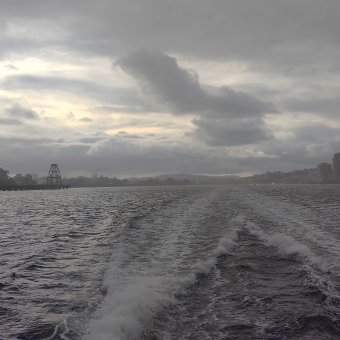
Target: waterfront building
(336,167)
(325,170)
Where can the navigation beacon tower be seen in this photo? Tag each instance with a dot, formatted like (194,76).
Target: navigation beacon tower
(54,176)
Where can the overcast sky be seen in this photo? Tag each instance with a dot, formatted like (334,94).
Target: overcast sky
(145,87)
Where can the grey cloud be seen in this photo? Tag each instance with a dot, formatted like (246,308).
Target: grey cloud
(231,132)
(294,44)
(127,135)
(259,90)
(181,158)
(21,112)
(179,89)
(39,157)
(10,121)
(90,140)
(284,163)
(23,46)
(126,157)
(145,122)
(85,120)
(329,106)
(25,142)
(303,150)
(120,96)
(114,157)
(271,33)
(315,133)
(132,136)
(124,109)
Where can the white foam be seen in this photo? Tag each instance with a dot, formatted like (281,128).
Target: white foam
(284,243)
(301,222)
(131,302)
(317,268)
(289,246)
(123,313)
(225,245)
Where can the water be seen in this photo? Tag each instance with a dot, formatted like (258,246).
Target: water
(253,262)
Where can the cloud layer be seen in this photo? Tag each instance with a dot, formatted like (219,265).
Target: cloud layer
(227,117)
(151,87)
(179,90)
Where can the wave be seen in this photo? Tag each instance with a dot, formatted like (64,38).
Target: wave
(131,302)
(318,269)
(289,246)
(286,244)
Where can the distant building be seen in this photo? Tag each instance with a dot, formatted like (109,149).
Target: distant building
(336,167)
(324,170)
(94,176)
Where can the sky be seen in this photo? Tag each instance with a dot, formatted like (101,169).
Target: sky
(145,87)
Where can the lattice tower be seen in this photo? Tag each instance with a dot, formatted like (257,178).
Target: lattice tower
(54,177)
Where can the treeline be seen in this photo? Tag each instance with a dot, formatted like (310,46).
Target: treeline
(305,176)
(83,182)
(4,178)
(19,179)
(296,176)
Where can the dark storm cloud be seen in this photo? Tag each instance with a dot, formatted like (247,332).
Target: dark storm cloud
(231,132)
(179,89)
(18,111)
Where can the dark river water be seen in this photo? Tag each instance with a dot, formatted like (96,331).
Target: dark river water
(252,262)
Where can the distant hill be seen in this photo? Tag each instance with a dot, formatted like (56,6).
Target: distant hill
(196,178)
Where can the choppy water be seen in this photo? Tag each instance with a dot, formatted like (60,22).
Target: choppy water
(256,262)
